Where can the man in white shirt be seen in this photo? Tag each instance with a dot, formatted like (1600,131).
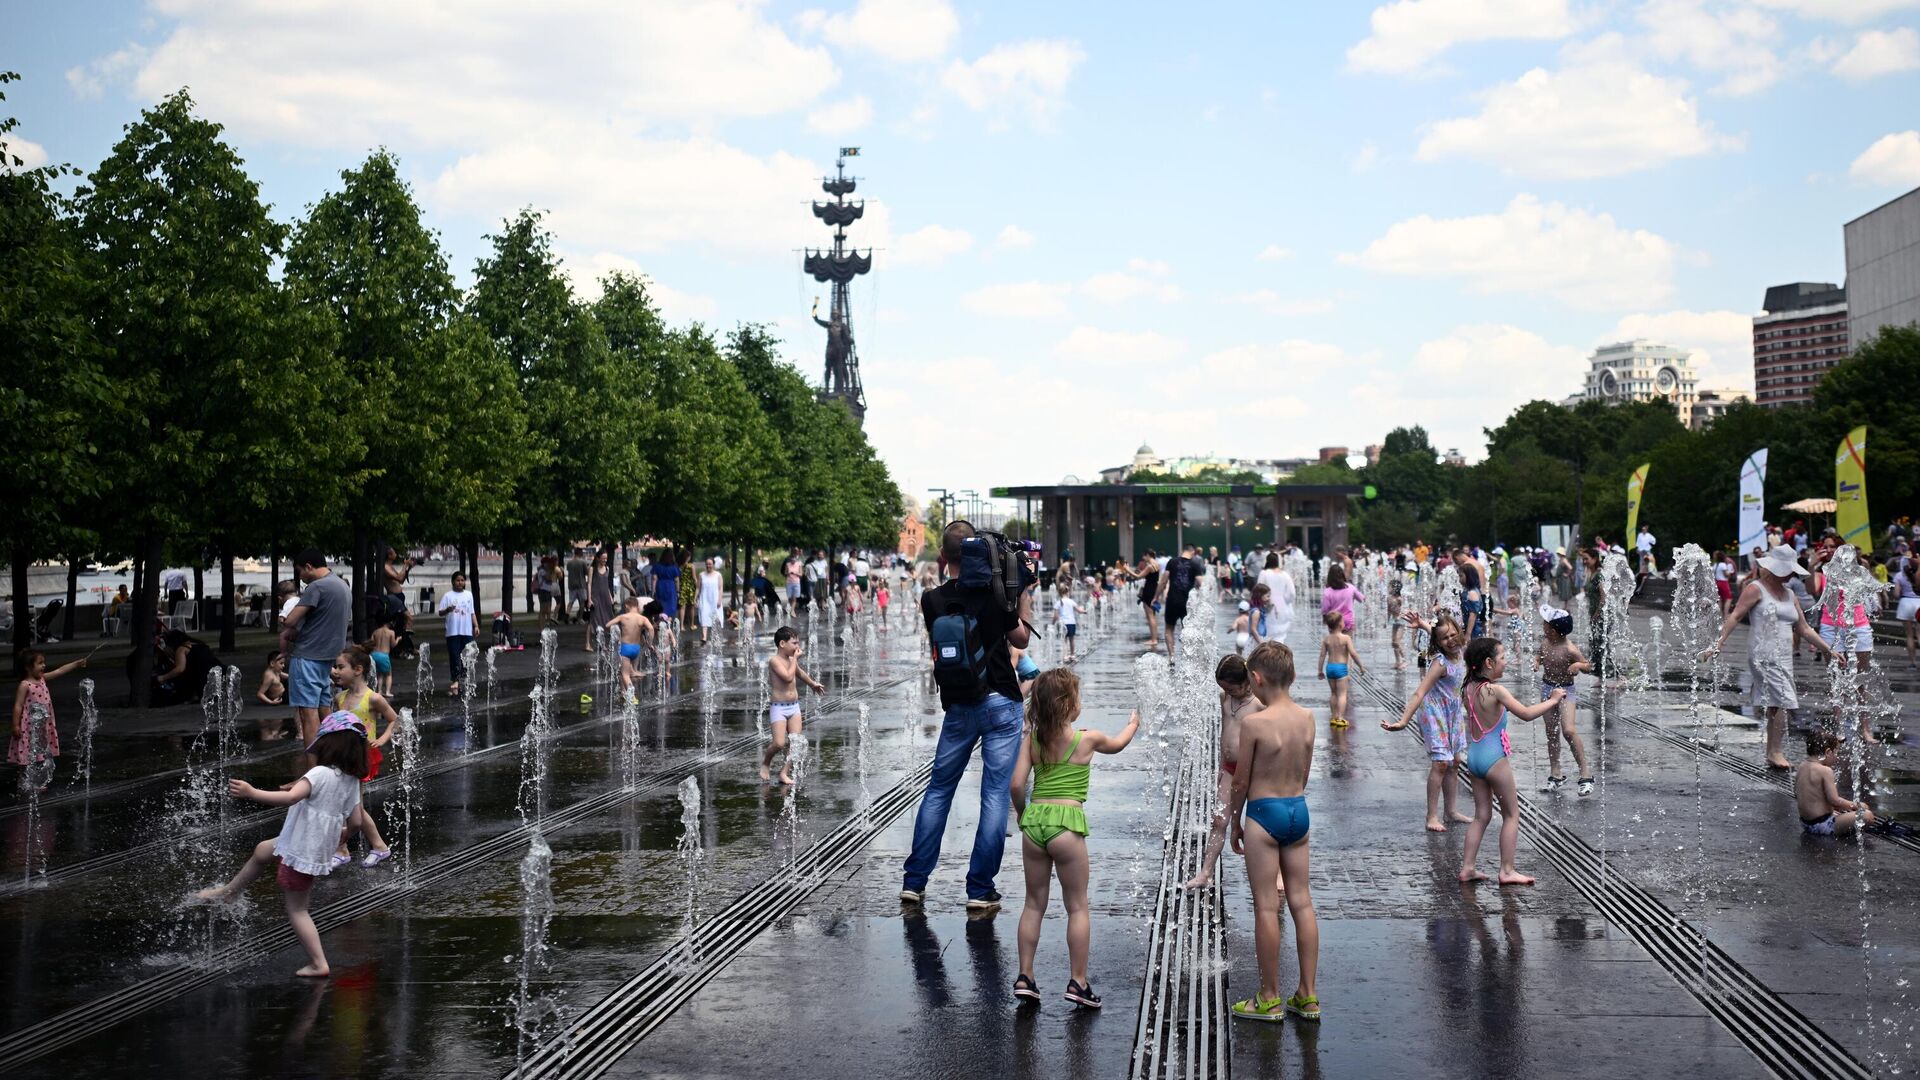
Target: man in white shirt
(1643,544)
(457,605)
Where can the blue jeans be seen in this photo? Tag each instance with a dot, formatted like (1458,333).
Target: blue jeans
(995,724)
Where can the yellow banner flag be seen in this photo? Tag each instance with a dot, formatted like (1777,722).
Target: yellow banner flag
(1636,486)
(1850,489)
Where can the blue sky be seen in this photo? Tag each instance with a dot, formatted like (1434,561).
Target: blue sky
(1251,229)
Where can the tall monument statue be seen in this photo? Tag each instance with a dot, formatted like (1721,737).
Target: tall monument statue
(840,381)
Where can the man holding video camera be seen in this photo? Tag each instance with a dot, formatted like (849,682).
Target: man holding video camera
(971,627)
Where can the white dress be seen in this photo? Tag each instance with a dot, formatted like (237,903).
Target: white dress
(709,601)
(1279,585)
(312,830)
(1770,651)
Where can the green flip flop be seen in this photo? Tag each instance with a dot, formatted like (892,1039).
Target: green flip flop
(1272,1010)
(1306,1008)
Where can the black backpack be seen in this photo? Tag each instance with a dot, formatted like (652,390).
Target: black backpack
(959,659)
(1180,574)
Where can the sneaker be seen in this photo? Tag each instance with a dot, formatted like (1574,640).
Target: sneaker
(989,902)
(1082,995)
(1586,785)
(910,896)
(1554,783)
(375,858)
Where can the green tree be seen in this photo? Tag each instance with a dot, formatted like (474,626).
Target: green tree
(54,398)
(181,251)
(582,411)
(1869,388)
(1414,488)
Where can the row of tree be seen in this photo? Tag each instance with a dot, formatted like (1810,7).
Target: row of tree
(189,378)
(1550,464)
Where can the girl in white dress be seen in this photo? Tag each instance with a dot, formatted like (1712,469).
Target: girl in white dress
(709,600)
(1777,620)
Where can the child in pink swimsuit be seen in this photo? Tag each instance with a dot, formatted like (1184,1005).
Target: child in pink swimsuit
(31,694)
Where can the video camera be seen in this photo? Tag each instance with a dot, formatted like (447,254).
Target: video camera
(990,560)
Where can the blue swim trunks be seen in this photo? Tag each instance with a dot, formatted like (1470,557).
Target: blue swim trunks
(383,663)
(1336,671)
(631,652)
(1284,819)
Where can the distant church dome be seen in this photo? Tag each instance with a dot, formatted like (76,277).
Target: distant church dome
(1144,451)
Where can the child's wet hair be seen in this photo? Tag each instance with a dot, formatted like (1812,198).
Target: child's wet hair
(343,750)
(1273,662)
(1052,703)
(358,658)
(1333,619)
(784,635)
(272,656)
(1443,625)
(1480,653)
(1231,670)
(1819,742)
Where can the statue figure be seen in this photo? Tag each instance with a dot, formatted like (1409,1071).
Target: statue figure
(838,347)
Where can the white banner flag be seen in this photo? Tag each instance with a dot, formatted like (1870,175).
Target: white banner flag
(1753,504)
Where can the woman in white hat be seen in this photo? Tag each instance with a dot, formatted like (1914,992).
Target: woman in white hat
(1777,620)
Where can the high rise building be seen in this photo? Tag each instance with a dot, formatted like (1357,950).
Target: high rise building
(1802,334)
(1641,370)
(1883,268)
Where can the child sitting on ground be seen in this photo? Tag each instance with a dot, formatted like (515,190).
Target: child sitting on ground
(1270,784)
(1822,811)
(1053,824)
(1336,655)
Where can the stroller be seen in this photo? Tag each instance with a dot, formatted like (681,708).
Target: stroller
(504,635)
(43,624)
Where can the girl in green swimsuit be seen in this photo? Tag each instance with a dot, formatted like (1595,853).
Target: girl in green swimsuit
(1054,822)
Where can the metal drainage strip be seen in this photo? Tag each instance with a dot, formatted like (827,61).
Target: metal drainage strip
(1183,1028)
(86,1021)
(603,1034)
(1784,1040)
(62,874)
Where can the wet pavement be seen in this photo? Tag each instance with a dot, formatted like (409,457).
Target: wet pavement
(814,969)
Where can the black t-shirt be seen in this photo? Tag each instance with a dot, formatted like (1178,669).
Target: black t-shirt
(990,623)
(1176,592)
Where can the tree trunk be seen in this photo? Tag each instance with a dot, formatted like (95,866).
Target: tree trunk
(226,593)
(506,580)
(73,589)
(273,586)
(472,559)
(146,604)
(362,558)
(1579,509)
(22,603)
(199,590)
(530,582)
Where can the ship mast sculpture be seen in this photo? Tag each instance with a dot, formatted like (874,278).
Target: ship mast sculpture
(841,379)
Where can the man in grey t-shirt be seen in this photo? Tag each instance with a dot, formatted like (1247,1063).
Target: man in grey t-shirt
(577,583)
(311,635)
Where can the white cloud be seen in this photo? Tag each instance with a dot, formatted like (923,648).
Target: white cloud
(1523,365)
(1088,343)
(1118,288)
(1581,258)
(1407,34)
(1846,11)
(90,80)
(902,30)
(1274,253)
(930,245)
(1722,342)
(638,195)
(1020,299)
(1587,121)
(1149,266)
(1880,52)
(841,117)
(1732,39)
(585,271)
(356,73)
(1022,77)
(1365,158)
(1295,360)
(1893,160)
(31,154)
(1013,236)
(1274,303)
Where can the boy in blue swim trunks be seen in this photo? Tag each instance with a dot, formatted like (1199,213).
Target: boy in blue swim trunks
(1270,784)
(635,630)
(784,676)
(1336,656)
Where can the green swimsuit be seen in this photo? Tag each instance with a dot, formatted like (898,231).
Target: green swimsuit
(1056,780)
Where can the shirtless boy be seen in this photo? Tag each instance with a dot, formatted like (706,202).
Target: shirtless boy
(784,676)
(1337,655)
(635,630)
(1822,811)
(1270,785)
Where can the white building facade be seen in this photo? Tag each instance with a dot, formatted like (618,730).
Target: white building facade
(1641,370)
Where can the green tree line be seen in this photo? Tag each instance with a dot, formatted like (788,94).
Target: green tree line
(1550,464)
(189,379)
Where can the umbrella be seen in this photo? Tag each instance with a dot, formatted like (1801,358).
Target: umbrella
(1811,506)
